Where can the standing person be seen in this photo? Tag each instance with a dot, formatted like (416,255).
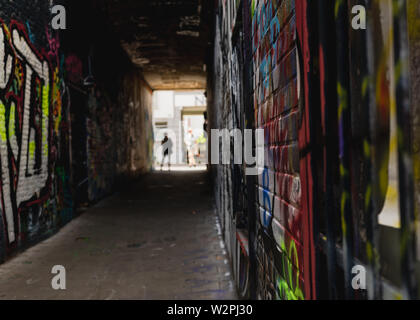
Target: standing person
(189,141)
(166,150)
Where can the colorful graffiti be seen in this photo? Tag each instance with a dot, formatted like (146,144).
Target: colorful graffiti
(31,89)
(272,58)
(63,141)
(337,187)
(277,111)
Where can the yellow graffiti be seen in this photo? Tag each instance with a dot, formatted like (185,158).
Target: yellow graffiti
(56,99)
(342,96)
(338,4)
(413,19)
(45,115)
(2,122)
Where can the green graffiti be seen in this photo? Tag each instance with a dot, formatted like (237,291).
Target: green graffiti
(287,289)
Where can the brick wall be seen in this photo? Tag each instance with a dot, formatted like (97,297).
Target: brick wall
(274,101)
(279,243)
(323,93)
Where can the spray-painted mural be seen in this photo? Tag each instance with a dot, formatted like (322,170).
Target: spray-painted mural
(336,190)
(272,60)
(68,130)
(34,185)
(280,234)
(119,135)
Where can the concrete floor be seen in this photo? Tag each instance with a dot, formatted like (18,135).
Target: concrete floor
(156,240)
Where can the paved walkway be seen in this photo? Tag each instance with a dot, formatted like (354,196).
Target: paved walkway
(156,240)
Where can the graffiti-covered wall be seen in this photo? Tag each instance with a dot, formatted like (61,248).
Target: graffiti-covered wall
(35,192)
(111,117)
(134,119)
(279,185)
(119,136)
(257,66)
(72,124)
(338,108)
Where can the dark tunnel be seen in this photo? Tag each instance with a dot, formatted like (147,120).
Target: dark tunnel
(210,149)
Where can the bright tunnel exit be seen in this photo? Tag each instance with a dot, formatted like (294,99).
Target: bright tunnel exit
(179,119)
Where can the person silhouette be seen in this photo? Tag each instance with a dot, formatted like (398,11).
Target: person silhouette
(166,151)
(190,143)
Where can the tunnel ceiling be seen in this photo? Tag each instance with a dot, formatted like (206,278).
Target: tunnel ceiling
(167,39)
